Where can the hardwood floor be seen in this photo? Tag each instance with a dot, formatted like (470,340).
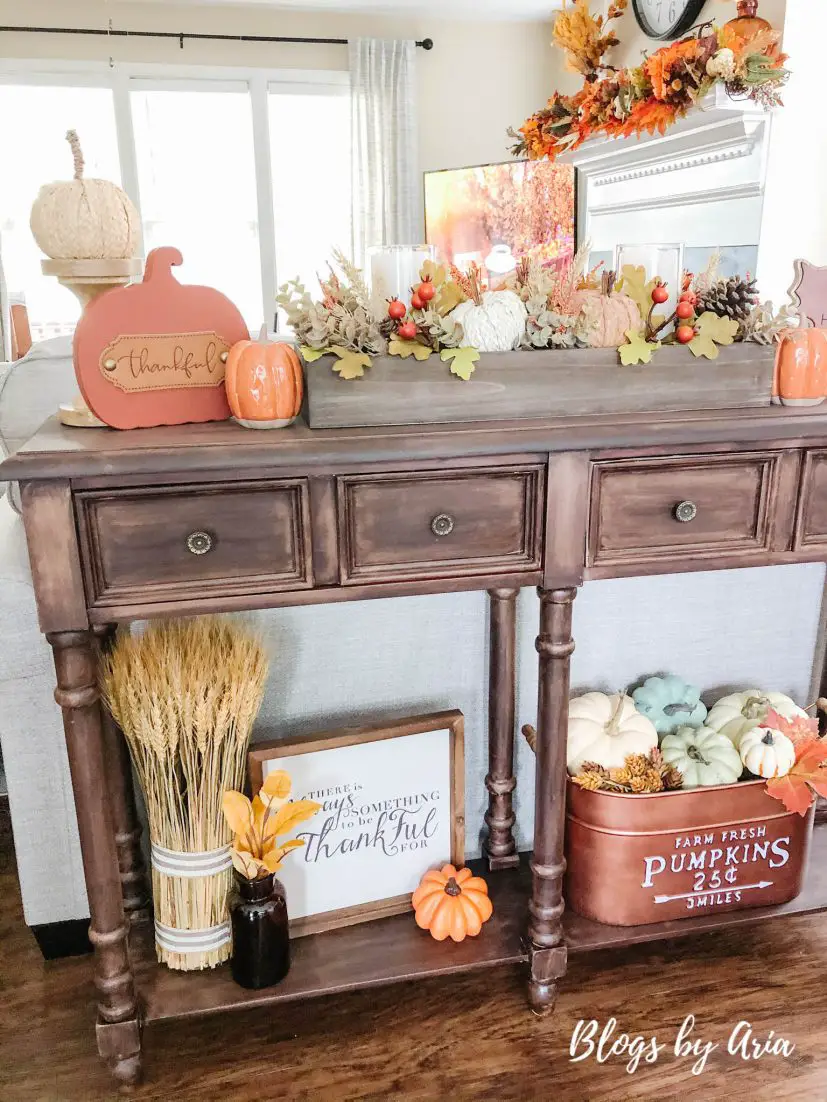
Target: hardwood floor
(463,1038)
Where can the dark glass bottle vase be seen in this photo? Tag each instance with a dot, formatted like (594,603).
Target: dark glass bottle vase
(261,939)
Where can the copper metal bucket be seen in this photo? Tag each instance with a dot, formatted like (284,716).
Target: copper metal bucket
(634,860)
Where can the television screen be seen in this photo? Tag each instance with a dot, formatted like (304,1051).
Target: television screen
(494,214)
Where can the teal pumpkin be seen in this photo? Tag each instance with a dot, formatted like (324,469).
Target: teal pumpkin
(670,703)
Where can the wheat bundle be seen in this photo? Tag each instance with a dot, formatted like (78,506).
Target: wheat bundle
(186,693)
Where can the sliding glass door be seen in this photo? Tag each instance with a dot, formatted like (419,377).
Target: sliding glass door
(220,166)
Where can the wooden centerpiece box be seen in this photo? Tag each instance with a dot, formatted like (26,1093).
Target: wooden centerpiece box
(513,386)
(634,860)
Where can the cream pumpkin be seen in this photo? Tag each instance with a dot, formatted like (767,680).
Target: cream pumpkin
(703,756)
(605,317)
(83,219)
(606,729)
(495,324)
(738,713)
(767,753)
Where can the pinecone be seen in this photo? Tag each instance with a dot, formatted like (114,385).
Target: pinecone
(734,298)
(672,778)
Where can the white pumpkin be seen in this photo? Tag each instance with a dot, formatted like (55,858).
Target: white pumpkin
(738,713)
(703,756)
(495,324)
(767,753)
(606,729)
(85,219)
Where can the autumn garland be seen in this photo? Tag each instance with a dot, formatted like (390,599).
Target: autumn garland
(653,96)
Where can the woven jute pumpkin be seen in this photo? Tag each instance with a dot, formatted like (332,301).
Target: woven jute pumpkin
(83,219)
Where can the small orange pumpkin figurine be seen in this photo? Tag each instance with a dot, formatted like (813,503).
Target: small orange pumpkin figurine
(451,904)
(801,368)
(264,383)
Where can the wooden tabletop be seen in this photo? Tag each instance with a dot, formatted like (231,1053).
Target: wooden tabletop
(56,451)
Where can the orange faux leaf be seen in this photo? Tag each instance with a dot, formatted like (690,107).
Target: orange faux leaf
(802,731)
(808,776)
(291,815)
(276,786)
(238,812)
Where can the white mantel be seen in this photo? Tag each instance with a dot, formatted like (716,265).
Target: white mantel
(702,182)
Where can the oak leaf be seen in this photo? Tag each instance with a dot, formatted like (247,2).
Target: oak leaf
(713,331)
(633,283)
(807,776)
(463,361)
(638,350)
(350,365)
(310,355)
(405,349)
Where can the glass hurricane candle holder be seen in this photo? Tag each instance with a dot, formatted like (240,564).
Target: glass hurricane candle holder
(394,269)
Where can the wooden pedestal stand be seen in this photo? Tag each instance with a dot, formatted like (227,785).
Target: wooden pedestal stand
(87,279)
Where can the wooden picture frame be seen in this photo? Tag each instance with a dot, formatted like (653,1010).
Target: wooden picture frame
(443,739)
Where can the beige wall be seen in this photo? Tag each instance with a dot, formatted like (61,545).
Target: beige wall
(634,43)
(477,81)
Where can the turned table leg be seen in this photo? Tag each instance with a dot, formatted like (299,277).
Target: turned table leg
(124,813)
(500,847)
(118,1029)
(547,950)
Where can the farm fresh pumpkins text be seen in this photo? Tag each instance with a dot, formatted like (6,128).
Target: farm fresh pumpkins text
(719,866)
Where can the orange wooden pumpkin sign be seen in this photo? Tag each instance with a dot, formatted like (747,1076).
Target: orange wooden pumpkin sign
(801,368)
(154,353)
(264,383)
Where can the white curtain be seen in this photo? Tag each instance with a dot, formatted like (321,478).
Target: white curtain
(386,184)
(5,317)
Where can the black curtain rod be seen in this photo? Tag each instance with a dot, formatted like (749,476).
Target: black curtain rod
(425,43)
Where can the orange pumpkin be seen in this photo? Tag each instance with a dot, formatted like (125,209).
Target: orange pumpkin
(264,383)
(607,315)
(801,368)
(451,904)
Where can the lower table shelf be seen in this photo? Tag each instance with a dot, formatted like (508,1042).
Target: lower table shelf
(393,950)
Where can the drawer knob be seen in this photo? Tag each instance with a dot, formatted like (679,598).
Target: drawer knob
(686,511)
(443,525)
(199,543)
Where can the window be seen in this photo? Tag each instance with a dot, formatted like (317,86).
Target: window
(210,159)
(311,207)
(197,182)
(33,125)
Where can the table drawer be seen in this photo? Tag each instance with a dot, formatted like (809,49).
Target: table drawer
(646,512)
(228,538)
(440,524)
(811,529)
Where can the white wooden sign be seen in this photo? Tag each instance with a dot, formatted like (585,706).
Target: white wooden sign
(392,807)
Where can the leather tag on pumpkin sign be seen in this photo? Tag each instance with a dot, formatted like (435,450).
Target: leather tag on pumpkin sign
(150,362)
(165,340)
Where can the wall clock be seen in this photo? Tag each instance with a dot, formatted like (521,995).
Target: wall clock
(667,18)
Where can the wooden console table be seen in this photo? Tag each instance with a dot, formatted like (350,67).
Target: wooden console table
(214,518)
